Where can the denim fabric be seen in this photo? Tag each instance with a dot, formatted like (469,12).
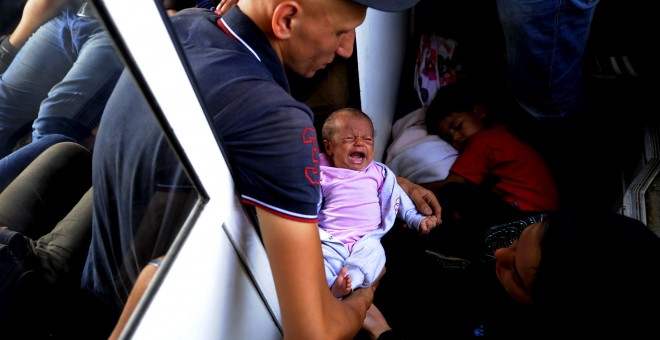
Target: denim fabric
(545,43)
(59,81)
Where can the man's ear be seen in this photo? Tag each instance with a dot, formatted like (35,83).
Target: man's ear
(283,18)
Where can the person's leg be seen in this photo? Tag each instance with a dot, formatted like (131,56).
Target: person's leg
(43,281)
(62,252)
(75,104)
(39,65)
(14,163)
(545,44)
(45,192)
(48,271)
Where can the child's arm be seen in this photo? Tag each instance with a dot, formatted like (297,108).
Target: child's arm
(409,213)
(424,199)
(407,210)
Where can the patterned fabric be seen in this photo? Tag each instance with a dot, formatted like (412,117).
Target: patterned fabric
(435,66)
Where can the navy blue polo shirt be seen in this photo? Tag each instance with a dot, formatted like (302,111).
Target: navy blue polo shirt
(268,138)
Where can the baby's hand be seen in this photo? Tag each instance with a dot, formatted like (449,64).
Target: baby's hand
(428,224)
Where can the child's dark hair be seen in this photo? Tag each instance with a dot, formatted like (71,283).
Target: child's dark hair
(460,96)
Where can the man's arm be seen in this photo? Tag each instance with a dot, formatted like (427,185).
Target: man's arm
(35,14)
(139,288)
(308,308)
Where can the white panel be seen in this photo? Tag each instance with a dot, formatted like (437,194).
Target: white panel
(206,294)
(381,44)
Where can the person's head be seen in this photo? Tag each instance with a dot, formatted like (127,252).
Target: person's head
(456,113)
(348,137)
(603,265)
(307,34)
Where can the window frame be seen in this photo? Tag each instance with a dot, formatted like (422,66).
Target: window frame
(216,281)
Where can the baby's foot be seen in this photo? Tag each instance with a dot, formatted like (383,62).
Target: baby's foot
(342,285)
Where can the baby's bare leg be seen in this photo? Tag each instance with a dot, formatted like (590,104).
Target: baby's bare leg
(342,285)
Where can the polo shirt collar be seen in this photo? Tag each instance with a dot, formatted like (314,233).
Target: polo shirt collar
(247,32)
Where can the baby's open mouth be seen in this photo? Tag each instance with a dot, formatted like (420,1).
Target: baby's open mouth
(357,156)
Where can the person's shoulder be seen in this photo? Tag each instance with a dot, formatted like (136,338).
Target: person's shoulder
(496,133)
(191,20)
(194,12)
(504,136)
(497,128)
(179,5)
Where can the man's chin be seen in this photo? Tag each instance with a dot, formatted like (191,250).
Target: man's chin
(313,73)
(308,75)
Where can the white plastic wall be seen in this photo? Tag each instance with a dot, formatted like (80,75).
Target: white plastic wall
(381,43)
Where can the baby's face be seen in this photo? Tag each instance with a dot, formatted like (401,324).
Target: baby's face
(352,145)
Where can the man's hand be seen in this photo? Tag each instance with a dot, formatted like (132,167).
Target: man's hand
(424,199)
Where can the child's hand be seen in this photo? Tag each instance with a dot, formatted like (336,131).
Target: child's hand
(428,224)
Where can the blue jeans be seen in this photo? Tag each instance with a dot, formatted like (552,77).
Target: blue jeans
(545,44)
(59,81)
